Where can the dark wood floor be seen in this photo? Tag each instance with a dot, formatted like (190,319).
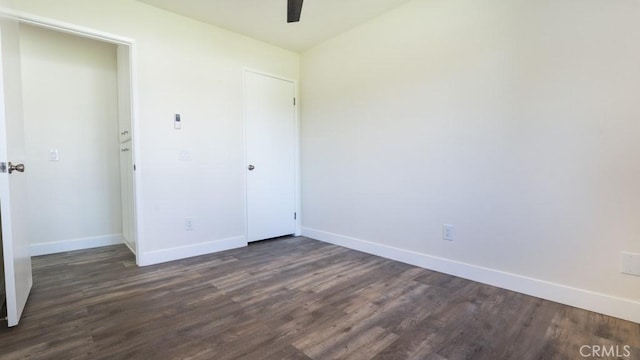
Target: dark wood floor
(292,298)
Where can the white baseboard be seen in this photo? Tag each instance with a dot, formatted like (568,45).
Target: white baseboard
(626,309)
(74,244)
(183,252)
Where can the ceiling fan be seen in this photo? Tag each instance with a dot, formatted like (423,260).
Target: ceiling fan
(294,9)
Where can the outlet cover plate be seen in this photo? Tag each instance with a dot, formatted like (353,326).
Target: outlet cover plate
(630,263)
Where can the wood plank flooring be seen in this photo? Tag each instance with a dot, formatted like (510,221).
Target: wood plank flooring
(291,298)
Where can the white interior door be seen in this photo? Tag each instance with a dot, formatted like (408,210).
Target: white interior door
(13,189)
(270,120)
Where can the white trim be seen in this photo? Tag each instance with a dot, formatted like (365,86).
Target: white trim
(132,249)
(183,252)
(75,244)
(137,150)
(65,27)
(627,309)
(297,167)
(90,33)
(275,76)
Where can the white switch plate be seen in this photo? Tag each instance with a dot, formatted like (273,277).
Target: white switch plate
(630,263)
(447,232)
(184,155)
(54,155)
(188,224)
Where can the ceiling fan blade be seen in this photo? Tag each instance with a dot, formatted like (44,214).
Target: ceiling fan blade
(293,10)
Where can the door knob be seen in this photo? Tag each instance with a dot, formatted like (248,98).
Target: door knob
(124,132)
(17,167)
(251,167)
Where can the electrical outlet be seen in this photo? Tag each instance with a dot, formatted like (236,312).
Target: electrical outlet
(188,224)
(630,263)
(447,232)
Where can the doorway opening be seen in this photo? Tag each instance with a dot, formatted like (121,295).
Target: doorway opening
(78,135)
(17,250)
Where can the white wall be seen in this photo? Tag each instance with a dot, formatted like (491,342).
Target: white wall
(70,104)
(515,121)
(194,69)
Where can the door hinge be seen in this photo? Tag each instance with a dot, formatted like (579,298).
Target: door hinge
(295,216)
(294,101)
(3,167)
(134,167)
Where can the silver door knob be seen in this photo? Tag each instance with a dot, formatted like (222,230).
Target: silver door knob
(18,168)
(251,167)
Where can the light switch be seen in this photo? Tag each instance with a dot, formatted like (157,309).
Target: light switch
(53,155)
(184,155)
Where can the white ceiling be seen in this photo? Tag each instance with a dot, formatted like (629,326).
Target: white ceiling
(266,20)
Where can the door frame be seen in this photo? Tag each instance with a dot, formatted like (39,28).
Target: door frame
(89,33)
(296,165)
